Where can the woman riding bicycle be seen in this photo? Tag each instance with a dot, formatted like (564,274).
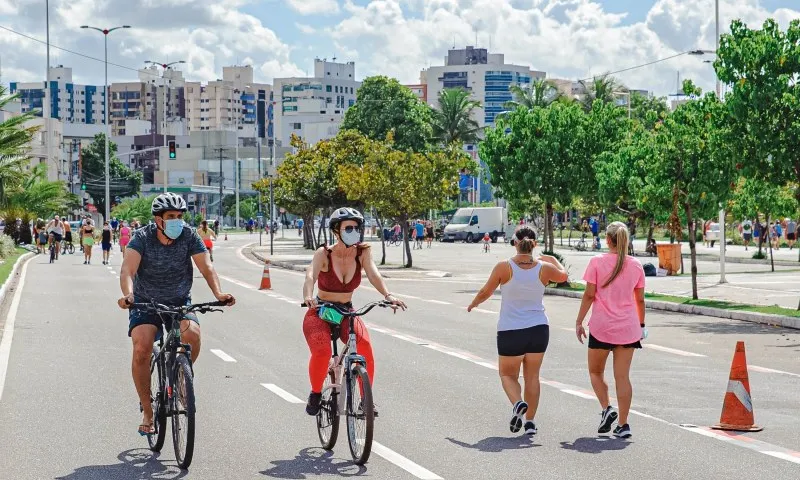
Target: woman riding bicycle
(337,272)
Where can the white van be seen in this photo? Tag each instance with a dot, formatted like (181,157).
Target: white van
(469,224)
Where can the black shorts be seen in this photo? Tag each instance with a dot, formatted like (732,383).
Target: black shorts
(514,343)
(596,344)
(68,237)
(791,236)
(56,236)
(106,246)
(748,237)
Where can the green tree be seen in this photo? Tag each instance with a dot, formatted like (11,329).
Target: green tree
(544,155)
(691,164)
(452,121)
(15,140)
(122,182)
(648,110)
(763,106)
(383,105)
(604,88)
(540,93)
(138,208)
(401,184)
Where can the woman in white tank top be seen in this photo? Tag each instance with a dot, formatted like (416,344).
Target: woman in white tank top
(522,330)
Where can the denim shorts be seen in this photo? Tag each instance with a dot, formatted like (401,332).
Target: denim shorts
(138,317)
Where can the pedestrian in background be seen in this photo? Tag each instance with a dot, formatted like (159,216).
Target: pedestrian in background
(615,293)
(429,233)
(791,232)
(523,332)
(419,229)
(105,242)
(746,229)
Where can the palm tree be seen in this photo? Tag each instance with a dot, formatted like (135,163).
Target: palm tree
(15,140)
(540,93)
(38,195)
(604,88)
(452,121)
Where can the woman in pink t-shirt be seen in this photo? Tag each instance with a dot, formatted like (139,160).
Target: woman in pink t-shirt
(615,293)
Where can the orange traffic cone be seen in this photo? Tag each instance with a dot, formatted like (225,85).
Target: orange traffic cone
(737,409)
(266,284)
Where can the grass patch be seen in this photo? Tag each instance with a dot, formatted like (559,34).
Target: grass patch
(8,264)
(772,309)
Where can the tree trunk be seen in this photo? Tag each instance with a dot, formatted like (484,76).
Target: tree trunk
(651,229)
(406,243)
(383,240)
(308,231)
(548,221)
(769,239)
(692,247)
(761,235)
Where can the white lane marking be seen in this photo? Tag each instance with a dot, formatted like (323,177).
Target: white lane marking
(733,439)
(783,456)
(485,311)
(403,295)
(8,329)
(224,356)
(672,350)
(439,302)
(566,329)
(577,393)
(404,463)
(237,282)
(281,393)
(756,368)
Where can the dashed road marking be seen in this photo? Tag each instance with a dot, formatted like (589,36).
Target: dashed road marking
(282,393)
(672,350)
(224,356)
(756,368)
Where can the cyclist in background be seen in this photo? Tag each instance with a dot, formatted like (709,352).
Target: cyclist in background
(337,273)
(67,233)
(114,224)
(56,231)
(208,237)
(158,268)
(487,240)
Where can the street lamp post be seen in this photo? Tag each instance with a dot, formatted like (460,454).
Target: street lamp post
(165,66)
(106,106)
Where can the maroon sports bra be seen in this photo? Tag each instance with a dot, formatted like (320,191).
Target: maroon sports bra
(330,282)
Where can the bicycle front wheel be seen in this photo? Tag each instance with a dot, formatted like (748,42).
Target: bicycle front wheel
(157,397)
(183,412)
(70,248)
(360,414)
(328,416)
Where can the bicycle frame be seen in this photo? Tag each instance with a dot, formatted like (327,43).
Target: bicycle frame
(339,363)
(168,346)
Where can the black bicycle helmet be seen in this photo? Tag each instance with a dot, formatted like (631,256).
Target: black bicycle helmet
(168,202)
(345,213)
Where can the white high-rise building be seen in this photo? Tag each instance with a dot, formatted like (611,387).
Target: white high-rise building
(313,108)
(484,74)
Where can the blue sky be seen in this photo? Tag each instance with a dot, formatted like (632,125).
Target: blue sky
(565,38)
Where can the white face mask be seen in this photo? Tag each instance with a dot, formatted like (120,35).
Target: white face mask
(351,238)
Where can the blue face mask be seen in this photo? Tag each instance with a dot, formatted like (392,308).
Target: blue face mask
(173,228)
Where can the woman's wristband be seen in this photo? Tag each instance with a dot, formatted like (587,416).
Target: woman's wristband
(641,325)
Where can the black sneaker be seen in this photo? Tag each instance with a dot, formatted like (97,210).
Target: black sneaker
(608,417)
(314,400)
(530,428)
(517,415)
(623,431)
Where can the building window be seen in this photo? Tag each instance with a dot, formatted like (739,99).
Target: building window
(328,88)
(296,126)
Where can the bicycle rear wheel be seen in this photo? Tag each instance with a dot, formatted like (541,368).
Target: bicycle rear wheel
(52,253)
(328,416)
(157,397)
(360,414)
(183,412)
(70,248)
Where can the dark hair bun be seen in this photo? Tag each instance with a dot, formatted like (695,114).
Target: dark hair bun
(524,233)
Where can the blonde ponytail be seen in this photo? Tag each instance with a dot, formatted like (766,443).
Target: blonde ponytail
(617,234)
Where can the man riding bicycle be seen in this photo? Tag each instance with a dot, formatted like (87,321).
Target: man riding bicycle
(337,273)
(55,230)
(158,267)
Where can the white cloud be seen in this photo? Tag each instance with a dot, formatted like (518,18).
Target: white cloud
(312,7)
(306,29)
(565,38)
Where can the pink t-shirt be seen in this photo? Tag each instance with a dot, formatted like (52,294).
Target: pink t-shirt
(614,317)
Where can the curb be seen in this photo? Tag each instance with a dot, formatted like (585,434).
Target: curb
(752,317)
(385,273)
(14,270)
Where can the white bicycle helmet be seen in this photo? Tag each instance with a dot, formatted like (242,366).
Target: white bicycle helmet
(168,202)
(345,213)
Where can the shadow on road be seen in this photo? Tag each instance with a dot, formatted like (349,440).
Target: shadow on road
(723,326)
(595,444)
(312,462)
(498,444)
(136,463)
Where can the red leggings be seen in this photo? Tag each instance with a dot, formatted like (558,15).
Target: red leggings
(318,337)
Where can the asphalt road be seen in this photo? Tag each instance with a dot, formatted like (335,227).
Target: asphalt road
(68,409)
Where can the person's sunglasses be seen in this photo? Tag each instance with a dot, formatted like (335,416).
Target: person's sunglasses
(351,229)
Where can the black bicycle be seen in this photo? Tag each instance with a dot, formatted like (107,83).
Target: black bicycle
(357,405)
(172,381)
(67,247)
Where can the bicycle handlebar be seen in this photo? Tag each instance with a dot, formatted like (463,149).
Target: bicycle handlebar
(197,307)
(356,313)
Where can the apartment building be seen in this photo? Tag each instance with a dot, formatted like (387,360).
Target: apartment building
(484,74)
(62,99)
(421,91)
(313,108)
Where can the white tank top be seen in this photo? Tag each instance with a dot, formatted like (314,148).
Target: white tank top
(521,299)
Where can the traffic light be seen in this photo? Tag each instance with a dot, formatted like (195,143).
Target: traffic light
(172,153)
(83,186)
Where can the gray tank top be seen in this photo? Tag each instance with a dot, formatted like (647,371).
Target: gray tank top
(521,299)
